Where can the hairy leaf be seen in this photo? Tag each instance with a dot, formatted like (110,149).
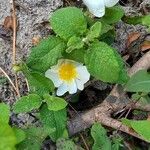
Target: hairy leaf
(38,83)
(74,43)
(104,63)
(94,31)
(55,103)
(46,54)
(101,141)
(54,119)
(20,134)
(113,15)
(77,55)
(27,103)
(7,137)
(34,138)
(66,144)
(139,82)
(142,127)
(68,22)
(4,113)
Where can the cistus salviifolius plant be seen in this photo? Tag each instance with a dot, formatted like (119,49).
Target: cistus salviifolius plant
(79,50)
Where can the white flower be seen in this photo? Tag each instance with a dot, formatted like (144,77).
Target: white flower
(97,7)
(68,75)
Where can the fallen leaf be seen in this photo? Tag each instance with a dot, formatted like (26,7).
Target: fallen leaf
(36,40)
(132,37)
(145,46)
(8,22)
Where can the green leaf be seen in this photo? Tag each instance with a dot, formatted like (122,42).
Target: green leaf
(55,103)
(144,20)
(113,15)
(117,143)
(105,28)
(20,134)
(77,55)
(139,82)
(27,103)
(34,138)
(101,141)
(54,119)
(7,137)
(4,113)
(46,54)
(66,144)
(68,22)
(38,83)
(142,127)
(94,31)
(126,122)
(104,63)
(74,43)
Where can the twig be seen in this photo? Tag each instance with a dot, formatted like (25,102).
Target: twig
(14,43)
(14,32)
(86,146)
(102,113)
(6,75)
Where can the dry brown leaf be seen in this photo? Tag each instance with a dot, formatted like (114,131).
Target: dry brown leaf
(132,37)
(36,40)
(145,46)
(8,22)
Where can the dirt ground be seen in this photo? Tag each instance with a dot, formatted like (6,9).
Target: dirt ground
(33,21)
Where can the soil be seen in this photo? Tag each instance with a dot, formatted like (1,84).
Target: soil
(33,21)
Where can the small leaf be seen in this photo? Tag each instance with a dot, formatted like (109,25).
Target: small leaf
(94,31)
(34,138)
(66,144)
(144,20)
(142,127)
(20,135)
(117,143)
(54,119)
(105,28)
(77,55)
(113,15)
(46,54)
(4,113)
(7,137)
(74,43)
(27,103)
(104,63)
(55,103)
(68,22)
(38,83)
(101,141)
(139,82)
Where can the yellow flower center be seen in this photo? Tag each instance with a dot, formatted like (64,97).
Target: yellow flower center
(67,72)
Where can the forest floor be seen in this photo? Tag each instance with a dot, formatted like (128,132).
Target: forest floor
(33,24)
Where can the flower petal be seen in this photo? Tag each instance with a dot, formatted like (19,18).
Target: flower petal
(110,3)
(80,84)
(72,87)
(83,74)
(62,89)
(96,7)
(54,77)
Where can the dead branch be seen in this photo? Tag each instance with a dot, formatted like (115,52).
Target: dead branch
(102,113)
(14,43)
